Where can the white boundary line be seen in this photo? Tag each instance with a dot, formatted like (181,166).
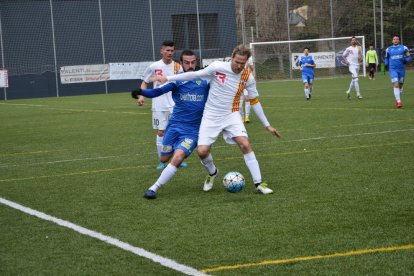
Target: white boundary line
(107,239)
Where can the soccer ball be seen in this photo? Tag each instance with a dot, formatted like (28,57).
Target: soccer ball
(234,182)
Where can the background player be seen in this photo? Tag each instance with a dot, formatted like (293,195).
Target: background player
(181,135)
(372,61)
(162,106)
(353,57)
(245,99)
(307,65)
(397,55)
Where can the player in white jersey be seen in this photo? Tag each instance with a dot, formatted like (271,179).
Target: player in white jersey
(244,102)
(353,58)
(162,106)
(221,112)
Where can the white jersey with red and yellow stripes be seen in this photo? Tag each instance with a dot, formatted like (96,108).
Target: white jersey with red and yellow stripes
(159,68)
(226,87)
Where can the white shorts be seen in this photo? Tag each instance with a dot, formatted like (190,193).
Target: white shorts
(354,69)
(160,119)
(231,126)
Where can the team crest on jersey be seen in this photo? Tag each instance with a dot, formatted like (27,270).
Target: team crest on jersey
(198,82)
(221,77)
(158,72)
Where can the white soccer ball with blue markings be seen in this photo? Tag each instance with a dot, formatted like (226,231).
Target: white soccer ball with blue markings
(234,182)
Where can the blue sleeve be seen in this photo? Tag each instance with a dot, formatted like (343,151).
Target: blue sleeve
(387,56)
(409,58)
(156,92)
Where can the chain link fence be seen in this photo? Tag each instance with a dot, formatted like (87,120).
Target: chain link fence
(37,38)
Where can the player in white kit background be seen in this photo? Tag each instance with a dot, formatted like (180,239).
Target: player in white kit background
(245,103)
(162,106)
(221,112)
(353,58)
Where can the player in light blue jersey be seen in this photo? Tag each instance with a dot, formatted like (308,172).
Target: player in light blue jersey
(397,55)
(181,135)
(307,65)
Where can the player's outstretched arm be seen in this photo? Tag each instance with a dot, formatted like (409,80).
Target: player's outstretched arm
(258,109)
(152,93)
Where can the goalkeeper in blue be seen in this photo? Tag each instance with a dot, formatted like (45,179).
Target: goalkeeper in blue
(397,55)
(181,135)
(307,65)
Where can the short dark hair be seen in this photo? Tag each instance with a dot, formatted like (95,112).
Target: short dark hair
(186,53)
(306,48)
(396,35)
(168,43)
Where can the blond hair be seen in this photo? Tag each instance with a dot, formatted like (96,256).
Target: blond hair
(242,50)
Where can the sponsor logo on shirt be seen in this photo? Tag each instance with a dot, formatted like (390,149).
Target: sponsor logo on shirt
(191,97)
(221,77)
(158,72)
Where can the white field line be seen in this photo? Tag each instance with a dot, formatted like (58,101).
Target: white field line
(106,239)
(333,137)
(288,141)
(41,105)
(350,135)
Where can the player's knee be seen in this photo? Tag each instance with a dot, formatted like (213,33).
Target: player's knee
(164,158)
(160,133)
(245,146)
(177,160)
(203,151)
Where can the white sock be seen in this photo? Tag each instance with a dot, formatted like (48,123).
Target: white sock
(253,165)
(247,107)
(209,164)
(165,176)
(356,84)
(306,93)
(350,85)
(397,94)
(158,142)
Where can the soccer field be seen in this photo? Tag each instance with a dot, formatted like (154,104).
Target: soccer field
(73,171)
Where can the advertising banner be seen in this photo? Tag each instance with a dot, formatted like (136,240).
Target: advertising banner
(322,59)
(84,73)
(4,78)
(127,70)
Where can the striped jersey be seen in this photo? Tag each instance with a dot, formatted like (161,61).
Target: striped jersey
(226,87)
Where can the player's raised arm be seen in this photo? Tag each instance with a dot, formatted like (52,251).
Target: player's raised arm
(153,93)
